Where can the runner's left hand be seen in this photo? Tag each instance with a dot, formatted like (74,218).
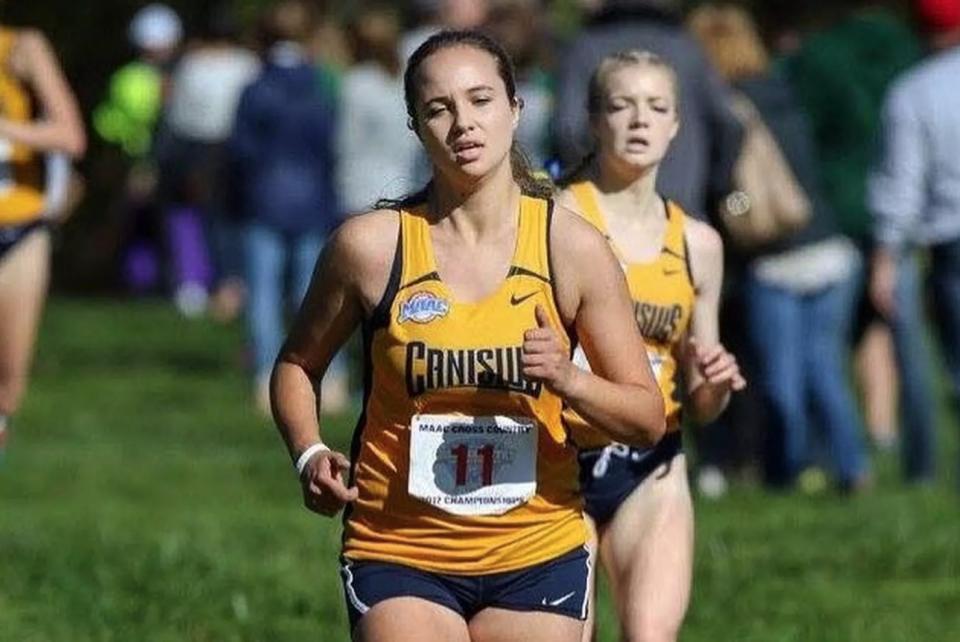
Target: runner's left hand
(717,366)
(545,357)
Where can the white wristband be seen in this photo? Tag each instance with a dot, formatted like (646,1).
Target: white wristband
(307,455)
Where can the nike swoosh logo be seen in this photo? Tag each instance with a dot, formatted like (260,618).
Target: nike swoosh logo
(517,300)
(559,600)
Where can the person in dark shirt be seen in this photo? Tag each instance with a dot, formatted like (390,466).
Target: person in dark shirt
(801,290)
(281,151)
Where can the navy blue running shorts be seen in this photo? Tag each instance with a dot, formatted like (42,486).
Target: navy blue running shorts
(11,235)
(608,475)
(560,586)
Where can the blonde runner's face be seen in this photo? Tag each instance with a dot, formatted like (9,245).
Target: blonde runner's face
(638,117)
(464,117)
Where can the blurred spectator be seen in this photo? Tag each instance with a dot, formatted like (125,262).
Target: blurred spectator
(282,149)
(129,114)
(914,193)
(38,113)
(801,289)
(700,162)
(430,16)
(377,152)
(328,44)
(129,117)
(841,75)
(519,26)
(204,90)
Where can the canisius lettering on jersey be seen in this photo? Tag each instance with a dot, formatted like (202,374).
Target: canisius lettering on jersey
(658,323)
(494,367)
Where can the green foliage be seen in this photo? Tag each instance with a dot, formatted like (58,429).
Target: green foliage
(141,499)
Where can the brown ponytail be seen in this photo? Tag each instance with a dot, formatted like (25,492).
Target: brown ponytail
(536,184)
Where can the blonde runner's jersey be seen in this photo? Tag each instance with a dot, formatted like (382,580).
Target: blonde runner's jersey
(462,464)
(21,198)
(663,297)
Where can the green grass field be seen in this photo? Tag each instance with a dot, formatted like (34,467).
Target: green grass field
(141,499)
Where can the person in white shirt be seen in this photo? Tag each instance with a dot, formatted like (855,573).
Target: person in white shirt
(377,151)
(914,196)
(205,89)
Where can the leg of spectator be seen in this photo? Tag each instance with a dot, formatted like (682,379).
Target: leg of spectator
(746,418)
(946,288)
(231,291)
(917,403)
(265,253)
(192,271)
(828,316)
(775,322)
(305,250)
(141,269)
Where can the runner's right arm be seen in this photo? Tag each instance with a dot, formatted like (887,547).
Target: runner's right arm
(350,276)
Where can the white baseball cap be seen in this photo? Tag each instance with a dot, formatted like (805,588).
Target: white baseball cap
(155,26)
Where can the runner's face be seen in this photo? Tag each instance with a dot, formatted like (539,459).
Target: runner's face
(464,117)
(638,116)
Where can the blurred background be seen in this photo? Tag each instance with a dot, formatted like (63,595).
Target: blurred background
(143,491)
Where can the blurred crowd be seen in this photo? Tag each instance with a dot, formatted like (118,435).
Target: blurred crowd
(247,142)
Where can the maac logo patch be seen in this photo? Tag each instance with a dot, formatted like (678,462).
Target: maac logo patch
(423,307)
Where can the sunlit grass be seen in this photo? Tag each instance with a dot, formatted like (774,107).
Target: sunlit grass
(142,499)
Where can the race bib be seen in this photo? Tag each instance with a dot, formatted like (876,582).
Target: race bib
(473,465)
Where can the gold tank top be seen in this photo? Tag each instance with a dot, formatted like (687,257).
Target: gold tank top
(663,296)
(462,464)
(21,200)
